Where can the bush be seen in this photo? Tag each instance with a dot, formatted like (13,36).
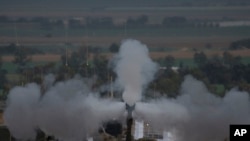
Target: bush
(244,43)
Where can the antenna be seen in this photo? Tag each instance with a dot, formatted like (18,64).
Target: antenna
(87,56)
(66,43)
(19,50)
(125,29)
(87,49)
(154,89)
(16,35)
(111,87)
(66,56)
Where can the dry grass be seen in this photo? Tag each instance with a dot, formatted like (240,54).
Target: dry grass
(183,45)
(209,53)
(178,42)
(46,57)
(177,54)
(37,58)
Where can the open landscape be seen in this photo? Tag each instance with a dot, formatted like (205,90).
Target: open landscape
(94,66)
(177,39)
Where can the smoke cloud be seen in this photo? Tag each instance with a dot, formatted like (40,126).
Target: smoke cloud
(19,114)
(48,81)
(197,114)
(161,114)
(211,115)
(68,110)
(135,70)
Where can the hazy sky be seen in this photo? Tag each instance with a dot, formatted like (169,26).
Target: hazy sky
(127,3)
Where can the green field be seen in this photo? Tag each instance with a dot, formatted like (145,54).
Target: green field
(158,38)
(245,60)
(12,68)
(240,31)
(188,62)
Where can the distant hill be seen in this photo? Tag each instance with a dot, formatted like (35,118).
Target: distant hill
(102,4)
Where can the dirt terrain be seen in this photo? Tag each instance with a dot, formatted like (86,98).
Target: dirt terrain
(179,54)
(177,42)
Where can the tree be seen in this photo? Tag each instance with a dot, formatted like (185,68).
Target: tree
(114,48)
(22,20)
(39,19)
(175,21)
(75,23)
(3,79)
(215,59)
(75,62)
(244,43)
(78,58)
(106,22)
(208,45)
(216,72)
(4,19)
(167,84)
(142,20)
(101,68)
(130,21)
(21,58)
(169,61)
(99,22)
(200,58)
(230,60)
(139,21)
(1,62)
(59,23)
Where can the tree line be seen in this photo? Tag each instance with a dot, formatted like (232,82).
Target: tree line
(240,44)
(226,71)
(108,22)
(219,73)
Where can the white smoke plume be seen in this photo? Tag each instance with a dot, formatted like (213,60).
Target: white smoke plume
(197,114)
(19,114)
(71,112)
(68,111)
(211,115)
(160,113)
(135,70)
(48,81)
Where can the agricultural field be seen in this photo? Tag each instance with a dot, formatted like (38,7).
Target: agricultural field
(179,42)
(191,37)
(209,40)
